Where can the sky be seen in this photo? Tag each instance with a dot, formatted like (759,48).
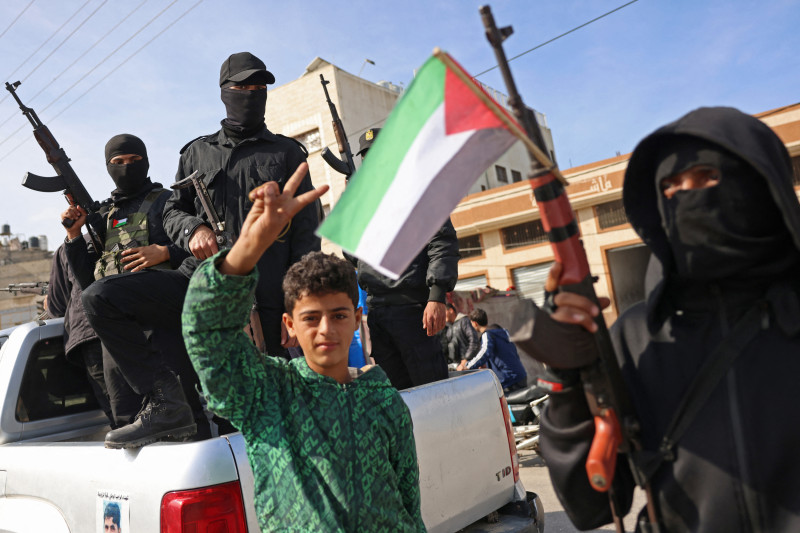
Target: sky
(94,68)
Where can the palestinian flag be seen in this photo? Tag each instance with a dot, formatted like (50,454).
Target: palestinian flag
(441,136)
(117,223)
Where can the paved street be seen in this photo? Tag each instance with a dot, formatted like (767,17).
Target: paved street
(536,479)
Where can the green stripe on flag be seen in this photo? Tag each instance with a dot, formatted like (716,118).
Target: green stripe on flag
(354,210)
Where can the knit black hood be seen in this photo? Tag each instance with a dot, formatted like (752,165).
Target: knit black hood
(741,135)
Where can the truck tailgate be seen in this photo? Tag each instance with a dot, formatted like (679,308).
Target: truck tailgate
(75,479)
(462,448)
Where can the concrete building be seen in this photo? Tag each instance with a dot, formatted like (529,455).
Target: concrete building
(298,109)
(503,243)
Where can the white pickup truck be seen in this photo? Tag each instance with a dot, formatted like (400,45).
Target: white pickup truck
(57,477)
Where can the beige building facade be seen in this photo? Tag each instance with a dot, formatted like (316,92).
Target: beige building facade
(500,229)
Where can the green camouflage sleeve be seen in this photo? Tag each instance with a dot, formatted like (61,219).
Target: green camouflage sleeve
(231,370)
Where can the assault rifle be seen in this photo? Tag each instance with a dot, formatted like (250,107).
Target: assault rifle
(224,241)
(33,287)
(66,180)
(616,426)
(343,164)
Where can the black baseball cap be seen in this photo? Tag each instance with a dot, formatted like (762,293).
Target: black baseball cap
(366,139)
(242,66)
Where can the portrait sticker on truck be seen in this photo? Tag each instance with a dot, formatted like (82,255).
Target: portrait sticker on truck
(113,512)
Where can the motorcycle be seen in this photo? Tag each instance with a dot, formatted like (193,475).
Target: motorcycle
(526,407)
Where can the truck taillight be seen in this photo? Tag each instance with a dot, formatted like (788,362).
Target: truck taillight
(512,444)
(217,509)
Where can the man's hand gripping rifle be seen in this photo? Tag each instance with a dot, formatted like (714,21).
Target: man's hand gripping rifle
(343,164)
(224,242)
(66,180)
(616,425)
(224,239)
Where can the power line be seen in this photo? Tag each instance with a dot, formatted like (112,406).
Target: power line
(157,35)
(137,32)
(81,56)
(46,41)
(523,53)
(576,28)
(67,38)
(57,98)
(111,72)
(16,19)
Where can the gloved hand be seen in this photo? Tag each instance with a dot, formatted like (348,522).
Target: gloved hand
(561,334)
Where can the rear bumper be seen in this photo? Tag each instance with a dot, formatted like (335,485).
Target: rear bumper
(515,517)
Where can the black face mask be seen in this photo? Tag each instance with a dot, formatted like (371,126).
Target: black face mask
(129,178)
(245,109)
(728,231)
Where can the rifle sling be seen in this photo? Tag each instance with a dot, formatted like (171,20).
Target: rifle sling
(705,382)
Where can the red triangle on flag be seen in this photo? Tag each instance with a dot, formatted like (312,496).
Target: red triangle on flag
(463,110)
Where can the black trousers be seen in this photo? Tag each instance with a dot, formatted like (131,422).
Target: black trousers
(90,355)
(402,348)
(138,318)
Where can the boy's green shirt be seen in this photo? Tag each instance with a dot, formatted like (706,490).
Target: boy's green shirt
(326,457)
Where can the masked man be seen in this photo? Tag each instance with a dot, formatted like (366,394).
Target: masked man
(133,296)
(711,358)
(239,157)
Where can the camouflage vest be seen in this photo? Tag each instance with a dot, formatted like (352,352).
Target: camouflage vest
(130,232)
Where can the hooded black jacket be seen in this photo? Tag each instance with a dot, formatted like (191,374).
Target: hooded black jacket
(737,467)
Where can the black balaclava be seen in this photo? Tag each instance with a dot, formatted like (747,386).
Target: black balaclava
(132,177)
(245,109)
(733,230)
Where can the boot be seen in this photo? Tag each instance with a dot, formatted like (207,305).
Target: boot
(166,414)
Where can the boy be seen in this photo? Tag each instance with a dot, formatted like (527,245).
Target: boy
(332,448)
(497,352)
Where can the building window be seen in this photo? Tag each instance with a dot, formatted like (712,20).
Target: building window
(796,171)
(501,174)
(470,246)
(516,176)
(524,234)
(610,214)
(529,281)
(469,284)
(311,140)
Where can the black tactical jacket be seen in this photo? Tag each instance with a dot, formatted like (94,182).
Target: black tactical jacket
(429,277)
(230,171)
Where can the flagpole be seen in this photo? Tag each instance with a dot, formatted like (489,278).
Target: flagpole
(501,113)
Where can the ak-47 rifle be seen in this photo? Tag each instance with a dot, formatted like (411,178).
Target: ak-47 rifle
(343,164)
(616,426)
(66,180)
(32,287)
(224,241)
